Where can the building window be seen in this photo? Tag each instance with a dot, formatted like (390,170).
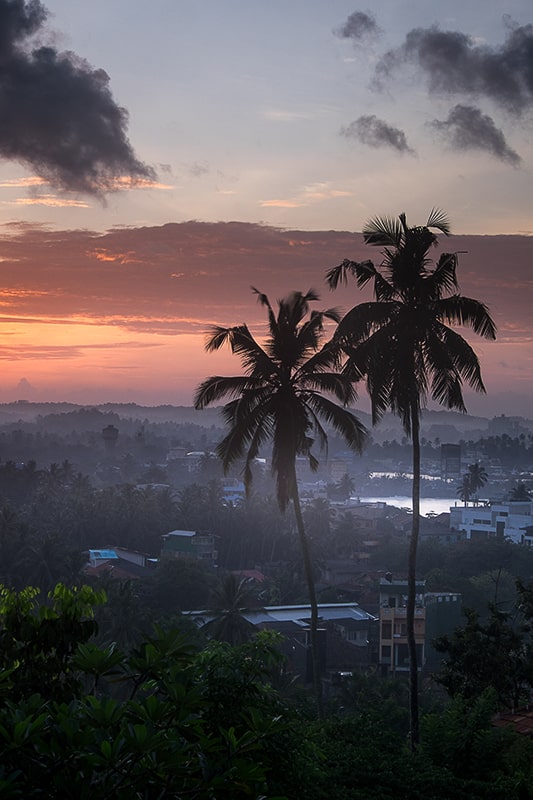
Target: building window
(386,630)
(400,629)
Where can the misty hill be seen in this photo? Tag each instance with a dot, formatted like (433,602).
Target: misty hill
(446,426)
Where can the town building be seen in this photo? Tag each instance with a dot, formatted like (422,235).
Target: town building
(436,614)
(198,545)
(347,635)
(450,461)
(121,563)
(507,520)
(393,650)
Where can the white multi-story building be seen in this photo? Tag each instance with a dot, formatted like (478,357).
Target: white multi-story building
(512,520)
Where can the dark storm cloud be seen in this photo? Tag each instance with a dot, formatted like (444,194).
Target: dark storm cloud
(58,114)
(376,132)
(455,64)
(358,26)
(467,128)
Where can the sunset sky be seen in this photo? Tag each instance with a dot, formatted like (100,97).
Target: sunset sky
(157,159)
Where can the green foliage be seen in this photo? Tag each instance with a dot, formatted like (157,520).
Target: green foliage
(462,740)
(195,725)
(363,758)
(38,641)
(178,585)
(479,656)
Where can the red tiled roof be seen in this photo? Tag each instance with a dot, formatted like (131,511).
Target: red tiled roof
(520,721)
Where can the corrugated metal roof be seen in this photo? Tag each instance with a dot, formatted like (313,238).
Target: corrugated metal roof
(95,555)
(300,615)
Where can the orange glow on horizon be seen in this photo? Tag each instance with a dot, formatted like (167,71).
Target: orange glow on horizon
(86,316)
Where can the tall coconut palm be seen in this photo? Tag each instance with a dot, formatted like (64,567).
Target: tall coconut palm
(464,489)
(291,387)
(477,475)
(404,345)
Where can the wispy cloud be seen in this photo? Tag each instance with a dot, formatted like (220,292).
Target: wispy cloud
(101,254)
(281,204)
(23,183)
(125,182)
(286,115)
(64,351)
(48,200)
(312,193)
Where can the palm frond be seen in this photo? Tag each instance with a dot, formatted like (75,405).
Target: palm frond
(439,219)
(216,337)
(336,384)
(329,357)
(263,300)
(384,232)
(362,271)
(254,429)
(469,313)
(253,357)
(445,380)
(463,357)
(216,388)
(444,276)
(319,433)
(263,432)
(240,412)
(306,344)
(341,420)
(358,323)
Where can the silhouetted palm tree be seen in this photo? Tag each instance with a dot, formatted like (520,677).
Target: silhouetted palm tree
(464,489)
(230,601)
(519,492)
(404,346)
(283,397)
(345,487)
(477,476)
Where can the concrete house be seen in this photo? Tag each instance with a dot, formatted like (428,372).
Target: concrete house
(509,520)
(198,545)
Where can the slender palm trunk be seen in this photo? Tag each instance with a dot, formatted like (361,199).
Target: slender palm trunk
(411,581)
(308,568)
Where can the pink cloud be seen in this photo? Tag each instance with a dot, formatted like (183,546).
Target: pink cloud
(167,282)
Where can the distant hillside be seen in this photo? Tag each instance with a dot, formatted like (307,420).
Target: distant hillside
(447,426)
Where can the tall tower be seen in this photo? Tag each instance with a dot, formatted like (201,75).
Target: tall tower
(110,436)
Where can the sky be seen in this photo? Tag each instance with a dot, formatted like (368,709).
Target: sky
(156,160)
